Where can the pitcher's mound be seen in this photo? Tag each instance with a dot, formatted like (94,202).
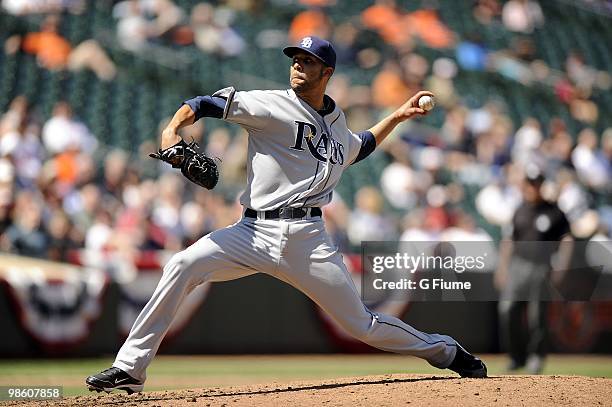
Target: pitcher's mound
(389,390)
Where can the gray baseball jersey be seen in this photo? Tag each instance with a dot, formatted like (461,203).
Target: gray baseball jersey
(295,156)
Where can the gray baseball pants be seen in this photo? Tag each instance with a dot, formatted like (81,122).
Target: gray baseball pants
(298,252)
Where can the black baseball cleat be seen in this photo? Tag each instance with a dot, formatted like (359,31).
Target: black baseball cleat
(113,379)
(468,365)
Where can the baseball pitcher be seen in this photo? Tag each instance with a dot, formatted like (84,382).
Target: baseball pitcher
(298,147)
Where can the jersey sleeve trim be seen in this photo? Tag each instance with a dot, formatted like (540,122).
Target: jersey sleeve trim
(228,94)
(206,106)
(368,144)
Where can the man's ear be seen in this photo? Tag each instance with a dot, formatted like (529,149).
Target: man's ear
(329,71)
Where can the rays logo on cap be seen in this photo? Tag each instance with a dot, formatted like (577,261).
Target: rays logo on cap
(306,42)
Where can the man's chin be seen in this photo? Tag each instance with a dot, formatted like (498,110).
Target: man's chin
(297,86)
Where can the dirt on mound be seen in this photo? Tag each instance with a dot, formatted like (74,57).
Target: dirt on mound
(388,390)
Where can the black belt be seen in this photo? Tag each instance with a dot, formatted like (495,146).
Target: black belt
(283,213)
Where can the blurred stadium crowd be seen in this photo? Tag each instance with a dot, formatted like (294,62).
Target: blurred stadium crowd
(454,176)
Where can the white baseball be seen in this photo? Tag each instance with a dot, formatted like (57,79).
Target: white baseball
(426,103)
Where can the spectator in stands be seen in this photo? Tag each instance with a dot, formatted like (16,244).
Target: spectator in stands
(344,40)
(437,208)
(16,115)
(336,215)
(51,49)
(523,49)
(454,131)
(441,84)
(509,63)
(167,17)
(572,198)
(583,109)
(224,209)
(217,142)
(471,54)
(386,18)
(414,228)
(564,90)
(133,222)
(426,223)
(498,201)
(133,27)
(581,75)
(350,97)
(167,204)
(52,191)
(65,166)
(487,11)
(89,54)
(389,88)
(414,68)
(367,221)
(113,178)
(522,16)
(557,149)
(493,147)
(427,25)
(430,160)
(397,28)
(59,228)
(591,166)
(100,235)
(154,237)
(192,221)
(483,119)
(310,22)
(24,7)
(63,132)
(213,33)
(55,53)
(82,206)
(527,140)
(399,183)
(234,161)
(26,236)
(27,152)
(606,148)
(19,139)
(7,191)
(464,229)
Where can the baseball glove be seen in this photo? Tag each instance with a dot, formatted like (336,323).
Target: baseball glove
(196,167)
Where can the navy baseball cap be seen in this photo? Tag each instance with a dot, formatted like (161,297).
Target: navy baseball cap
(320,48)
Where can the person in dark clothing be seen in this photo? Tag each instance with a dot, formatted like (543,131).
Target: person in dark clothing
(524,274)
(26,236)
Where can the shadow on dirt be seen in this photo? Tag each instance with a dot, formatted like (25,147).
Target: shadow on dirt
(330,386)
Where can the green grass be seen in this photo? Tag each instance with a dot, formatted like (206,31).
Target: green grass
(168,372)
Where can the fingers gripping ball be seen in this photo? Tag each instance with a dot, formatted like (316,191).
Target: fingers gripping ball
(427,103)
(196,167)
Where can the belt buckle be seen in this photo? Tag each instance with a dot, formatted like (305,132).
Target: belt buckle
(291,213)
(284,213)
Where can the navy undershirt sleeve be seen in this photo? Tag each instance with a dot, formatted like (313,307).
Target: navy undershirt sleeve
(368,144)
(206,106)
